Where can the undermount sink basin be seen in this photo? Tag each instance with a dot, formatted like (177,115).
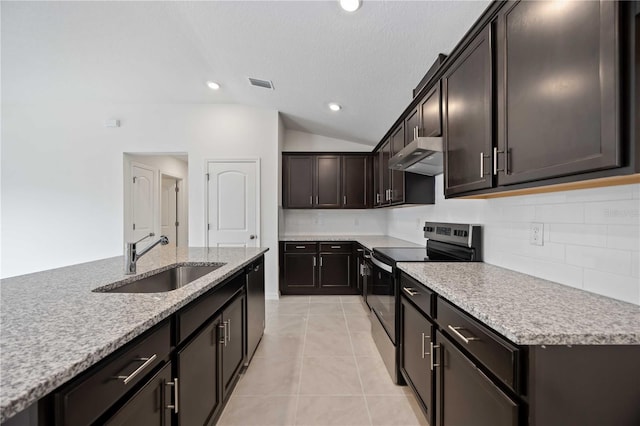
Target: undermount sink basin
(168,280)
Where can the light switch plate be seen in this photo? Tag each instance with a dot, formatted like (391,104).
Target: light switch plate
(536,234)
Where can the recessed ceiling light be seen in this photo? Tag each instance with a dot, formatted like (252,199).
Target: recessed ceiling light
(213,85)
(350,5)
(334,106)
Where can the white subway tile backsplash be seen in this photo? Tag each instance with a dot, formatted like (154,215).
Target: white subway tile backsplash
(559,272)
(625,237)
(622,192)
(560,213)
(625,212)
(612,285)
(578,234)
(635,265)
(602,259)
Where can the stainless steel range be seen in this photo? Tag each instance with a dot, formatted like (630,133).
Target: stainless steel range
(446,242)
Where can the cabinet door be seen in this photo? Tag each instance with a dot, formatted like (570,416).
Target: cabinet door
(464,395)
(377,185)
(199,390)
(468,118)
(355,181)
(255,307)
(335,270)
(385,174)
(417,332)
(298,181)
(412,126)
(327,188)
(557,84)
(431,113)
(149,405)
(233,346)
(397,177)
(299,272)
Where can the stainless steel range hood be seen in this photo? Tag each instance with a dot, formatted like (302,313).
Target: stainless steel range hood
(423,156)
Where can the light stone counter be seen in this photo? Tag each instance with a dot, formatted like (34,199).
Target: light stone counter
(529,310)
(369,241)
(53,326)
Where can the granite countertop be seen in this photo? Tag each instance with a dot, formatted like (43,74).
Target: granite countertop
(54,326)
(529,310)
(369,241)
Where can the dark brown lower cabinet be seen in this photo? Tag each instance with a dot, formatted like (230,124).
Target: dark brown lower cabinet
(335,270)
(233,346)
(151,405)
(417,335)
(299,271)
(465,395)
(199,392)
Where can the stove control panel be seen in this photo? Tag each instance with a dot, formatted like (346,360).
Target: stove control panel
(456,233)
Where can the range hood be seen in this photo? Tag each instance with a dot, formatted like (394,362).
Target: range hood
(423,156)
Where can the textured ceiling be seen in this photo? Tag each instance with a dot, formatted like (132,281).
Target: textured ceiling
(315,53)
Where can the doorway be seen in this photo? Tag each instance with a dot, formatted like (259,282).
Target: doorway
(156,197)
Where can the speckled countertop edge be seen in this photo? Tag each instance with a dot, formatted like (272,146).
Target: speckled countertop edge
(368,241)
(54,326)
(529,310)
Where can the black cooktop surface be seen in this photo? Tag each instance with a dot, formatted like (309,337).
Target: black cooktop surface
(404,254)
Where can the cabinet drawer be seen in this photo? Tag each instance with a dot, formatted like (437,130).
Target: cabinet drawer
(302,247)
(88,397)
(194,315)
(417,293)
(336,247)
(492,350)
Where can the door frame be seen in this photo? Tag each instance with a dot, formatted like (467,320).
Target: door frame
(181,206)
(207,162)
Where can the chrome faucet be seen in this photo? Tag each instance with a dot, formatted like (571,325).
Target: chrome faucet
(131,256)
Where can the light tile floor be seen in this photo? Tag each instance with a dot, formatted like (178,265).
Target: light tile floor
(318,365)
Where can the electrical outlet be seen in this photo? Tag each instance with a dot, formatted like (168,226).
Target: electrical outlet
(536,234)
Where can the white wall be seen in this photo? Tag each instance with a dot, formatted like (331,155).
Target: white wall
(591,236)
(62,174)
(295,140)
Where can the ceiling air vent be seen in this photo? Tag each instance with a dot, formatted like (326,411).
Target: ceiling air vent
(266,84)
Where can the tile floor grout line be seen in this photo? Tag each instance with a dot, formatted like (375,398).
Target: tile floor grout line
(355,360)
(304,343)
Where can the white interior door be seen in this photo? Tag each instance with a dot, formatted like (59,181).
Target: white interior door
(142,201)
(233,203)
(169,209)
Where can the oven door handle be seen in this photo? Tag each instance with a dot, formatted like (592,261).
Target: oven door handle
(381,265)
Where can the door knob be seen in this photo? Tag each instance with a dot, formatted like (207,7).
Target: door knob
(252,237)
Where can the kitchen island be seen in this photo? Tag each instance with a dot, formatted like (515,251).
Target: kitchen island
(54,326)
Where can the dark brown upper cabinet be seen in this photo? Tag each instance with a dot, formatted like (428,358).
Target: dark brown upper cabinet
(377,184)
(385,174)
(397,177)
(411,126)
(430,109)
(558,101)
(298,181)
(327,181)
(467,117)
(356,181)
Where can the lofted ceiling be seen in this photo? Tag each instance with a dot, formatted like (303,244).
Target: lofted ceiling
(164,52)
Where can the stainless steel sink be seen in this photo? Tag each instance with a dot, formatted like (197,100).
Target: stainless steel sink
(168,280)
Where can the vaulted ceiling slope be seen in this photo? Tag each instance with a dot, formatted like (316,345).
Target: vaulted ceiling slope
(164,52)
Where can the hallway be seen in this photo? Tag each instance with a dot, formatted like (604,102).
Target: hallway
(317,365)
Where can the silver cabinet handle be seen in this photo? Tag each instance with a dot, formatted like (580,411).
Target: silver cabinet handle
(229,328)
(174,406)
(311,199)
(432,346)
(495,161)
(457,333)
(360,250)
(145,364)
(481,165)
(344,199)
(378,198)
(336,247)
(301,247)
(321,261)
(223,328)
(314,261)
(422,352)
(317,198)
(410,291)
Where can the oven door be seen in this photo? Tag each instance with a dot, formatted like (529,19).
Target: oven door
(382,296)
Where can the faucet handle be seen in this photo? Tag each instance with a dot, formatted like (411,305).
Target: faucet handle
(145,237)
(164,240)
